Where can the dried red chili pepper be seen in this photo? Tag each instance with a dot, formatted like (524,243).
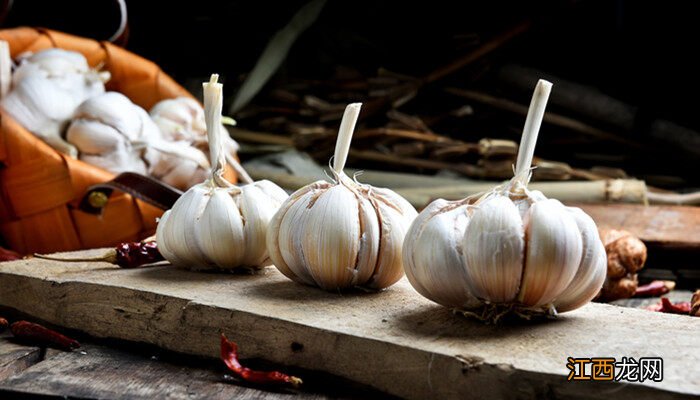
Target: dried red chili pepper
(125,255)
(665,306)
(8,255)
(40,335)
(655,288)
(3,324)
(136,254)
(229,354)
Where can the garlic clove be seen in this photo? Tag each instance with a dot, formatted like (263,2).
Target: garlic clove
(179,231)
(254,204)
(272,190)
(493,246)
(220,233)
(395,216)
(591,272)
(433,256)
(553,253)
(163,246)
(282,251)
(369,243)
(330,238)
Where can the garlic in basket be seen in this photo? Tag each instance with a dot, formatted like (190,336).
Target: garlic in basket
(341,234)
(47,87)
(182,119)
(513,250)
(115,134)
(216,225)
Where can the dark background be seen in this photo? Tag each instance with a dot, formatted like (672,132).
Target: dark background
(643,53)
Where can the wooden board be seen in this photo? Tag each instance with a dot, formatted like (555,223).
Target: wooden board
(395,341)
(673,227)
(96,371)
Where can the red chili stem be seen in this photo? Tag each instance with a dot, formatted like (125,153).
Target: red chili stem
(229,354)
(42,336)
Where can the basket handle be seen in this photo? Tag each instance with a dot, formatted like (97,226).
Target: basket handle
(139,186)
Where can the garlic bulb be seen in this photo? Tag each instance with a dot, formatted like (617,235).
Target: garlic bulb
(341,234)
(216,225)
(512,250)
(61,65)
(115,134)
(182,119)
(47,88)
(109,131)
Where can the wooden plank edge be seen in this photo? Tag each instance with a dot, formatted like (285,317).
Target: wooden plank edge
(391,368)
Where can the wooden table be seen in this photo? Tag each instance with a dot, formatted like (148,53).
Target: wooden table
(395,341)
(118,370)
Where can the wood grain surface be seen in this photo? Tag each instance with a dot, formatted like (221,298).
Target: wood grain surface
(395,341)
(663,226)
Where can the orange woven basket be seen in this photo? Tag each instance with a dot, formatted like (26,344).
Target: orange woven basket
(40,188)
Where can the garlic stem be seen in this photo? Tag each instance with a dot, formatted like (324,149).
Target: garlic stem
(213,104)
(342,145)
(5,68)
(533,121)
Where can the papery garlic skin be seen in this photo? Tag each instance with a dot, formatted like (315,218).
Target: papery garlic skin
(511,250)
(342,234)
(215,225)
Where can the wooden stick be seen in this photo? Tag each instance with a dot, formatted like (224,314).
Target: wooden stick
(616,190)
(549,117)
(244,135)
(488,47)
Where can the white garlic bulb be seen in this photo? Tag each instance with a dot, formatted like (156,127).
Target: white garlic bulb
(115,134)
(513,250)
(47,87)
(341,234)
(182,120)
(57,64)
(216,225)
(109,131)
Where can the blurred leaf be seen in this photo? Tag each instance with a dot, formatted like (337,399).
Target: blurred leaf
(275,52)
